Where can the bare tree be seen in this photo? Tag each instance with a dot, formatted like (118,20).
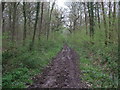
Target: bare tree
(3,19)
(114,16)
(91,18)
(14,19)
(3,6)
(25,20)
(49,22)
(41,19)
(105,24)
(85,12)
(98,13)
(35,25)
(110,32)
(10,17)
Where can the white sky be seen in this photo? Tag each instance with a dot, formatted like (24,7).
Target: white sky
(60,3)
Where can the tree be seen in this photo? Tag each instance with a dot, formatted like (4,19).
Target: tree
(49,22)
(118,33)
(114,16)
(3,20)
(15,5)
(91,18)
(25,20)
(98,14)
(105,24)
(110,30)
(85,12)
(3,6)
(10,17)
(41,19)
(35,25)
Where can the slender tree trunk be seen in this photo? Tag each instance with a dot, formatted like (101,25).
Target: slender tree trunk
(35,25)
(74,25)
(14,19)
(10,22)
(75,22)
(91,18)
(105,24)
(25,20)
(48,31)
(3,6)
(3,19)
(118,35)
(98,14)
(114,17)
(95,11)
(29,20)
(88,6)
(110,32)
(85,17)
(41,19)
(48,23)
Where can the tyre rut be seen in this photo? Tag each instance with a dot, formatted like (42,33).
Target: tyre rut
(62,72)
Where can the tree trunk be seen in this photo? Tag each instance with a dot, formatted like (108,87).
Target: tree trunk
(118,33)
(3,6)
(110,32)
(10,22)
(91,18)
(41,19)
(48,30)
(85,17)
(3,19)
(98,15)
(14,19)
(25,20)
(35,25)
(114,17)
(105,24)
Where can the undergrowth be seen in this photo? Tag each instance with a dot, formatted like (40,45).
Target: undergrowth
(98,62)
(20,64)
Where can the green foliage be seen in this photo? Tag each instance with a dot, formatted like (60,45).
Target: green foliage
(97,61)
(20,65)
(16,78)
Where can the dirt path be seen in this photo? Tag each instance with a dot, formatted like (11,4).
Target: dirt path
(63,72)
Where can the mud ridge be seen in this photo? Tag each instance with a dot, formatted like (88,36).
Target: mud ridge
(62,72)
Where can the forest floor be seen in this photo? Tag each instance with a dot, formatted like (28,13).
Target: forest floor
(62,72)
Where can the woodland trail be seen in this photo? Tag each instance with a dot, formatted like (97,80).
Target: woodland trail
(62,72)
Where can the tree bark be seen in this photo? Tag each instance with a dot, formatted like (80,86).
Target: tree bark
(98,14)
(3,19)
(35,25)
(85,17)
(105,24)
(118,33)
(10,22)
(114,17)
(14,19)
(48,30)
(3,6)
(110,30)
(91,18)
(41,19)
(25,20)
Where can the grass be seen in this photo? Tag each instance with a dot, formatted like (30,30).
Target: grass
(98,63)
(20,65)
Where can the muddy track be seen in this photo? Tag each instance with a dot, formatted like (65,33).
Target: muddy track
(62,72)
